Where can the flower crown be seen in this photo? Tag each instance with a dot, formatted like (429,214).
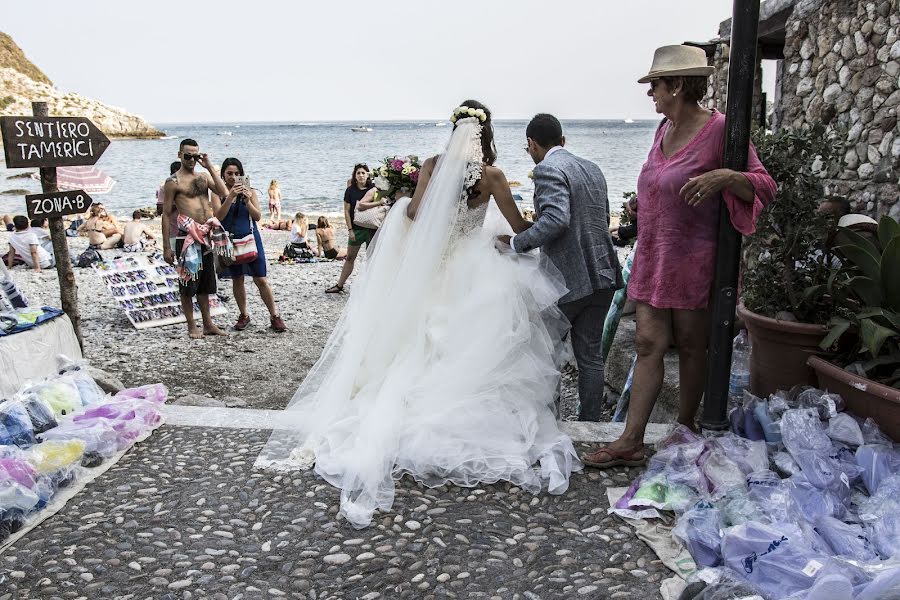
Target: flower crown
(466,111)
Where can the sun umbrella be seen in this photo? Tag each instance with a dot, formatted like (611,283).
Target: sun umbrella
(90,179)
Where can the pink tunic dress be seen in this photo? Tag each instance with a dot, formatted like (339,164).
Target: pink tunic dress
(674,263)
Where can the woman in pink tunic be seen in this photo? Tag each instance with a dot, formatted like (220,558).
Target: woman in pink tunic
(681,190)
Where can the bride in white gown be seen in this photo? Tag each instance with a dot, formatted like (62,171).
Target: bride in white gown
(443,363)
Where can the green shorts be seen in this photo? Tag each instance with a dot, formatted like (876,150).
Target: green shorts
(361,236)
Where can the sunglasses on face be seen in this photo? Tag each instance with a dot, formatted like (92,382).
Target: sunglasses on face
(191,156)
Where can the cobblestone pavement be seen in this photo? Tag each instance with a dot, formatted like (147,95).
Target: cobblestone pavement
(185,515)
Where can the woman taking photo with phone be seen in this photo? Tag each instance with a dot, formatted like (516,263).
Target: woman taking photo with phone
(239,213)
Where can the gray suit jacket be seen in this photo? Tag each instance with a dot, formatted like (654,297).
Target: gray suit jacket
(572,224)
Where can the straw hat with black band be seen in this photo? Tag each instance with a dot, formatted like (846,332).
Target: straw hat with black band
(678,61)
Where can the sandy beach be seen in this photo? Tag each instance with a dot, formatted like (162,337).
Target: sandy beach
(256,367)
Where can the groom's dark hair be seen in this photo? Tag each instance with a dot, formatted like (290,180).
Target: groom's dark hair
(545,129)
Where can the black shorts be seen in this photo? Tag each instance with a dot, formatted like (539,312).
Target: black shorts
(205,284)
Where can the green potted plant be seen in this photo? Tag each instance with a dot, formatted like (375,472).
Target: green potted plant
(787,255)
(866,374)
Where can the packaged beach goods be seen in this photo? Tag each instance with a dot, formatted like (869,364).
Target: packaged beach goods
(40,413)
(770,493)
(885,586)
(719,583)
(813,502)
(884,501)
(722,473)
(877,461)
(771,427)
(657,491)
(88,390)
(801,429)
(15,424)
(785,463)
(776,559)
(845,539)
(748,455)
(61,396)
(844,428)
(99,436)
(156,393)
(885,535)
(55,455)
(753,429)
(872,434)
(738,507)
(825,404)
(700,531)
(15,498)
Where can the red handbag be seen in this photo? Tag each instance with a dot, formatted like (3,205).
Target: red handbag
(245,247)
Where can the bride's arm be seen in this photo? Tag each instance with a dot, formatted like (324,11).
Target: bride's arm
(503,197)
(424,176)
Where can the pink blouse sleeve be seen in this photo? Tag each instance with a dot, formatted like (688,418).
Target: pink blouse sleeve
(744,214)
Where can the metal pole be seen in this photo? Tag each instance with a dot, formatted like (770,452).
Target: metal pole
(68,290)
(741,73)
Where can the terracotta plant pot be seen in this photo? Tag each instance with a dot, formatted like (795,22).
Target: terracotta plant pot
(780,351)
(864,397)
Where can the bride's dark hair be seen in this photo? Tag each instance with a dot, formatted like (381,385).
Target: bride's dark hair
(487,132)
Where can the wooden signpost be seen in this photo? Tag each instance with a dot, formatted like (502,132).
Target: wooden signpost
(48,206)
(49,142)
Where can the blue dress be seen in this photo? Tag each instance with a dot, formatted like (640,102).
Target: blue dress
(237,223)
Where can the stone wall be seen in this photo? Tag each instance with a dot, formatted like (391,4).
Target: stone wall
(841,68)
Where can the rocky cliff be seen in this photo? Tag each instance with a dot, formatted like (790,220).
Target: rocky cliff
(21,83)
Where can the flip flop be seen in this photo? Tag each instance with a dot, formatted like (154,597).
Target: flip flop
(335,289)
(634,457)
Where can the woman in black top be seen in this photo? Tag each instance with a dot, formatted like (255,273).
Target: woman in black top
(356,189)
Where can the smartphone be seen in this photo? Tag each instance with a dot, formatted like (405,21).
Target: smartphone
(240,180)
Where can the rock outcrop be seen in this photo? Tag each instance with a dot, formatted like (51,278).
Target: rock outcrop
(22,83)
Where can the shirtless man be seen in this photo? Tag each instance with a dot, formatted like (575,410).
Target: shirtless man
(135,232)
(187,193)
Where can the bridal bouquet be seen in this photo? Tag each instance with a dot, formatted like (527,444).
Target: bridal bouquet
(397,174)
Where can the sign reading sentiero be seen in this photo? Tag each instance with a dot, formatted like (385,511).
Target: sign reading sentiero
(42,206)
(51,141)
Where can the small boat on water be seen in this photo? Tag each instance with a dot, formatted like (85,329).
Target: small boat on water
(440,124)
(361,129)
(225,133)
(628,121)
(167,137)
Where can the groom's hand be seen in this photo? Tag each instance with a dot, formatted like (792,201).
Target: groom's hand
(502,243)
(503,239)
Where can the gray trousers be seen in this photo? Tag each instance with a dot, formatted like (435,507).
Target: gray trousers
(587,316)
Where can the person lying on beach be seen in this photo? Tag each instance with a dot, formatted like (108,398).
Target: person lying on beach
(325,237)
(280,225)
(102,229)
(135,234)
(188,203)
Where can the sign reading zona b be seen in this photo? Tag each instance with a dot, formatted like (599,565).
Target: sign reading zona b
(40,206)
(51,141)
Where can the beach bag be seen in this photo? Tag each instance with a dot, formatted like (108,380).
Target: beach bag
(245,247)
(372,218)
(87,258)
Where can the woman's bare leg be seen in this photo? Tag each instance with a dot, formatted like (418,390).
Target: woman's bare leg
(691,328)
(347,270)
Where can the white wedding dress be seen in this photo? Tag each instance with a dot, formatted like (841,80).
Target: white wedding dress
(443,364)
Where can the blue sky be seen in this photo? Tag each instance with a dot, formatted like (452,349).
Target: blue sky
(354,60)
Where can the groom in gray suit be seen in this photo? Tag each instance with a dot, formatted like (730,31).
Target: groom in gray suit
(572,228)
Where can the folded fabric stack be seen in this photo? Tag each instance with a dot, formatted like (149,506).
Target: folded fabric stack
(51,431)
(17,320)
(799,500)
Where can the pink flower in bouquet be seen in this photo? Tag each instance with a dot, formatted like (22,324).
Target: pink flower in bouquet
(397,164)
(414,177)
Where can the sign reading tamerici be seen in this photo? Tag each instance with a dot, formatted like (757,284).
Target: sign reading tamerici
(51,141)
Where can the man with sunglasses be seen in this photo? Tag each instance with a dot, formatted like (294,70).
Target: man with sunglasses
(186,193)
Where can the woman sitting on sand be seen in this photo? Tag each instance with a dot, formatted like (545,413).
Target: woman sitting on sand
(103,231)
(325,238)
(299,231)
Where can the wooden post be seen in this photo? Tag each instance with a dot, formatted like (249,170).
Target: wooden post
(68,290)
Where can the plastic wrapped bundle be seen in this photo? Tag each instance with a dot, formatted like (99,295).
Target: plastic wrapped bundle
(99,436)
(844,428)
(738,507)
(700,531)
(885,586)
(776,559)
(128,418)
(885,501)
(61,396)
(845,539)
(877,462)
(657,491)
(885,535)
(40,413)
(748,455)
(53,456)
(770,493)
(825,404)
(813,502)
(88,390)
(801,429)
(15,425)
(722,473)
(156,393)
